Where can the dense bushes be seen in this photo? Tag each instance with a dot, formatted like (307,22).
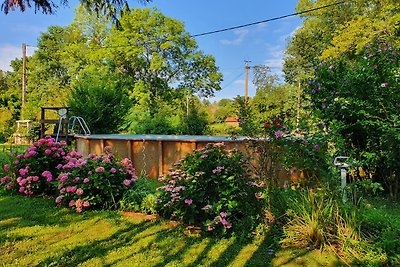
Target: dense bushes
(358,98)
(210,188)
(51,169)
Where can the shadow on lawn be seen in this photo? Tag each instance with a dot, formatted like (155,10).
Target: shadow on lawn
(130,242)
(30,211)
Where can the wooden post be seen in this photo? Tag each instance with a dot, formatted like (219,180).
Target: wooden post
(23,76)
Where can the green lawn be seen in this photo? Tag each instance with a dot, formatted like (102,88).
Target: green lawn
(33,232)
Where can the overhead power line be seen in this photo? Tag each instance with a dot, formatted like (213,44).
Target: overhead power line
(238,27)
(268,20)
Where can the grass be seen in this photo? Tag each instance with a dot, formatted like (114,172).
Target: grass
(33,232)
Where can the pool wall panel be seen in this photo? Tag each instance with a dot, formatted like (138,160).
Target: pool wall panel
(155,157)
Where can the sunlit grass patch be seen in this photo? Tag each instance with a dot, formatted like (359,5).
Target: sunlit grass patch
(34,232)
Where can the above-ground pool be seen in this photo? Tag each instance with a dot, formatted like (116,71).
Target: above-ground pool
(152,154)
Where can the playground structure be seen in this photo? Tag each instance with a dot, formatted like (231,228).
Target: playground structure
(65,127)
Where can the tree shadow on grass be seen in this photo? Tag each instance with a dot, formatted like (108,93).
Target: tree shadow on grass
(30,211)
(124,237)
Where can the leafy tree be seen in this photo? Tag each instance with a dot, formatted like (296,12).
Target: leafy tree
(161,57)
(101,100)
(195,120)
(263,77)
(224,108)
(281,101)
(10,103)
(106,8)
(338,30)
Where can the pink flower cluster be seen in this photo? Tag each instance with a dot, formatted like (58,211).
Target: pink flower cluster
(220,219)
(97,172)
(79,204)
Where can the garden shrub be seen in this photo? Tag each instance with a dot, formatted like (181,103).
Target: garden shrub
(95,181)
(101,99)
(33,172)
(303,154)
(211,189)
(52,169)
(358,98)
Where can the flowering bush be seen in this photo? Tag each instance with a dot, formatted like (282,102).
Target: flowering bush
(209,188)
(359,99)
(300,152)
(96,181)
(50,168)
(34,171)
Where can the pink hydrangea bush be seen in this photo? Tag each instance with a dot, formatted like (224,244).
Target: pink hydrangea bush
(210,188)
(34,172)
(95,181)
(51,169)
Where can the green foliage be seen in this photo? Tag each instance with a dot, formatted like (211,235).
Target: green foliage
(336,31)
(163,60)
(277,101)
(101,100)
(302,153)
(194,123)
(210,188)
(141,122)
(359,100)
(222,129)
(141,196)
(317,218)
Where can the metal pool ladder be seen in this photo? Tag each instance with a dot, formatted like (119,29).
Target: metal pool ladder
(76,119)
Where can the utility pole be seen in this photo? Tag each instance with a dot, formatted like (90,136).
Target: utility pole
(246,91)
(23,74)
(298,106)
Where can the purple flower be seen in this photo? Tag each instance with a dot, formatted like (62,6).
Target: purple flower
(218,169)
(4,179)
(226,224)
(316,147)
(86,180)
(278,134)
(59,200)
(47,175)
(223,214)
(188,201)
(79,191)
(113,170)
(127,182)
(204,156)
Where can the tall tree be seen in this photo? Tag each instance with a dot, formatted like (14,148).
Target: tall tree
(107,8)
(161,57)
(337,30)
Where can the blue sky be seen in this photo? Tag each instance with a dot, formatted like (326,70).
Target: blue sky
(260,44)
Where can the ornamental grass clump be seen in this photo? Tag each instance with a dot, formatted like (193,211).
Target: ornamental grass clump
(210,188)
